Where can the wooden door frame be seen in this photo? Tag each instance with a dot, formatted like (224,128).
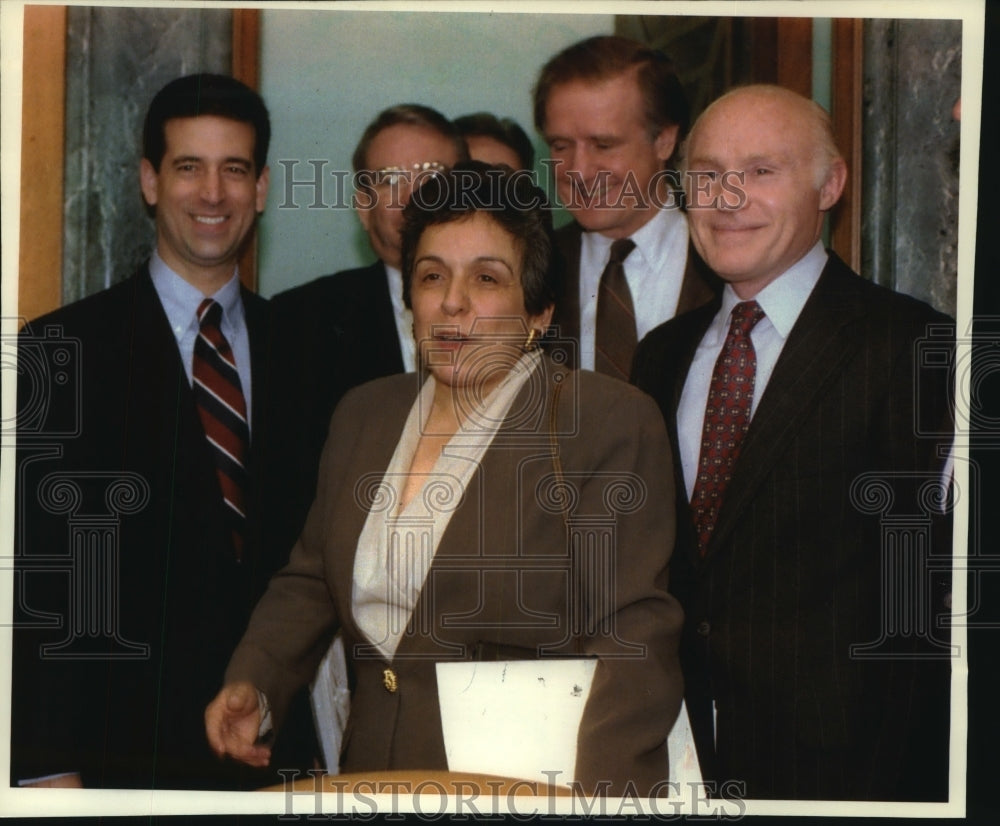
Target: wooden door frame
(43,132)
(246,67)
(846,104)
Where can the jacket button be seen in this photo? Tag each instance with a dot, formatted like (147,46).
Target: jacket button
(389,680)
(704,628)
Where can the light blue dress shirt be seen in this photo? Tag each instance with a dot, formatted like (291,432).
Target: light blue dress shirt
(180,302)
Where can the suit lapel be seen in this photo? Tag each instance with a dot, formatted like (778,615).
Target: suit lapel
(515,438)
(154,356)
(377,438)
(387,337)
(820,343)
(255,311)
(699,286)
(567,315)
(690,331)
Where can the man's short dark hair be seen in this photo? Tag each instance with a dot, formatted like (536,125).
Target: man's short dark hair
(205,94)
(410,114)
(604,57)
(503,130)
(510,198)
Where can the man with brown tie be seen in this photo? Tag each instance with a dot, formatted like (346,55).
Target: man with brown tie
(138,558)
(612,112)
(795,401)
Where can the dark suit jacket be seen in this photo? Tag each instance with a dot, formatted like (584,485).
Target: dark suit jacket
(610,442)
(104,396)
(328,336)
(699,286)
(793,575)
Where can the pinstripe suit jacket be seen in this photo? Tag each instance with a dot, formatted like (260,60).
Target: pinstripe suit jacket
(793,575)
(498,586)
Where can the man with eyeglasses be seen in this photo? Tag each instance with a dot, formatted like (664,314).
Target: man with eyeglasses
(342,330)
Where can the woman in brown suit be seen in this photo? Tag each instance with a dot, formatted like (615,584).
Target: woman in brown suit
(498,505)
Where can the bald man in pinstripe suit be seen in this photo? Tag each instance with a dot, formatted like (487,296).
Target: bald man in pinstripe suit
(798,684)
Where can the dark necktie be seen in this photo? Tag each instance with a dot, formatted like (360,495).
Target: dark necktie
(615,336)
(727,417)
(223,411)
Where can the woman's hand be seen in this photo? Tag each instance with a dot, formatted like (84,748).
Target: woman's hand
(232,724)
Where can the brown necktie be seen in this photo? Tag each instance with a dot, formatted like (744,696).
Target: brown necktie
(615,337)
(223,411)
(727,417)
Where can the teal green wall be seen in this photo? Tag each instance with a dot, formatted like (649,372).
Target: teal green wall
(326,73)
(822,69)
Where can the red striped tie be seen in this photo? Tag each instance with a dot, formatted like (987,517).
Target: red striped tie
(223,412)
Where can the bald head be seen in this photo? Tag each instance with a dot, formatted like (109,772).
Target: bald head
(808,114)
(763,169)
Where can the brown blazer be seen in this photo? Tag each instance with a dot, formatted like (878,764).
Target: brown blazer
(506,582)
(700,285)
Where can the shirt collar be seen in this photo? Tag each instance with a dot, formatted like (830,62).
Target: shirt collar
(653,240)
(783,299)
(181,299)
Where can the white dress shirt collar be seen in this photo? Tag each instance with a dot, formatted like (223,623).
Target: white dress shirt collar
(782,300)
(654,271)
(654,240)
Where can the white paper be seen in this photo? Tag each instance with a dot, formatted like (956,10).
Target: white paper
(514,718)
(685,770)
(521,718)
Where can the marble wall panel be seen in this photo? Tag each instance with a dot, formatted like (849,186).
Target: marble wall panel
(909,233)
(117,59)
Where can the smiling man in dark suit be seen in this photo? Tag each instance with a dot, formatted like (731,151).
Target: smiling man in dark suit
(139,496)
(612,112)
(787,398)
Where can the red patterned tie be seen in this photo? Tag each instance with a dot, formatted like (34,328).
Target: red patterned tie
(223,411)
(727,416)
(615,335)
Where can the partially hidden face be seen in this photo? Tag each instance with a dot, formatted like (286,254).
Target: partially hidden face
(407,148)
(206,195)
(608,168)
(469,318)
(756,200)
